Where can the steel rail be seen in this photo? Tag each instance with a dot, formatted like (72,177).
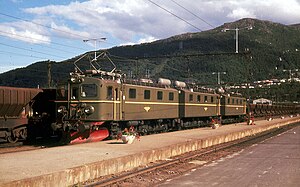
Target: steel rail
(249,140)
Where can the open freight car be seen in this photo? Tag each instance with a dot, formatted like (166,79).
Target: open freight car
(15,109)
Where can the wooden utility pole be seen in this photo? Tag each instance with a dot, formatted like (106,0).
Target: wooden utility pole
(49,73)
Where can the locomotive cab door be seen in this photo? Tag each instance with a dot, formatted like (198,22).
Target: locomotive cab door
(114,102)
(218,108)
(117,100)
(223,100)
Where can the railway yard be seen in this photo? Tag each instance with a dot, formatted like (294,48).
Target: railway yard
(147,162)
(95,119)
(54,135)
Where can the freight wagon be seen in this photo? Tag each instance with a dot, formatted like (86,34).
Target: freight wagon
(15,110)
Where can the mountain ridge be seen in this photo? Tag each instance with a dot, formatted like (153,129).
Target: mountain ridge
(190,56)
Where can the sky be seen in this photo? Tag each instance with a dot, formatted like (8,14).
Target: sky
(38,30)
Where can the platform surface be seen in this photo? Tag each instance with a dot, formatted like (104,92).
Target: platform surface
(273,162)
(67,165)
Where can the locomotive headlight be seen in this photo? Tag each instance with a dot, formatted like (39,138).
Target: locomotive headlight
(89,110)
(61,109)
(76,79)
(73,79)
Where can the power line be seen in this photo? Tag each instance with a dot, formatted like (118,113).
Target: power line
(31,50)
(49,27)
(13,53)
(42,26)
(14,17)
(124,59)
(227,45)
(41,41)
(135,59)
(80,37)
(193,14)
(185,20)
(175,15)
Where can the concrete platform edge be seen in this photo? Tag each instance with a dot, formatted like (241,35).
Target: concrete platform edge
(95,170)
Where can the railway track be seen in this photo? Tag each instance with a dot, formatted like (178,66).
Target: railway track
(25,146)
(19,146)
(155,173)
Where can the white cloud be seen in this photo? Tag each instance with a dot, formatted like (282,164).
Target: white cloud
(125,20)
(241,13)
(147,39)
(65,31)
(131,22)
(23,32)
(286,12)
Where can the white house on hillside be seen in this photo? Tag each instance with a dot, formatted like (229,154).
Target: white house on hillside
(262,101)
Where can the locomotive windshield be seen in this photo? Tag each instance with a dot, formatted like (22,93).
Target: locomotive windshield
(89,90)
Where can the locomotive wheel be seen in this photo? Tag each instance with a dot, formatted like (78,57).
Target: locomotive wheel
(12,139)
(165,128)
(144,131)
(180,126)
(23,133)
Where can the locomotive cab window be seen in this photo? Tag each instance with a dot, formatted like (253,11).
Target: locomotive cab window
(171,96)
(147,94)
(132,93)
(89,90)
(159,95)
(74,93)
(212,99)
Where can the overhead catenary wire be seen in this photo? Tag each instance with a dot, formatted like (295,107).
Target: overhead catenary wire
(49,27)
(13,34)
(37,39)
(175,15)
(136,59)
(68,32)
(19,54)
(80,37)
(61,50)
(193,13)
(7,45)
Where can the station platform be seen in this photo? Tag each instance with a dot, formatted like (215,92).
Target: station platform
(73,164)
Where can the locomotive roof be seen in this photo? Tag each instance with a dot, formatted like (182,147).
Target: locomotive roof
(161,83)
